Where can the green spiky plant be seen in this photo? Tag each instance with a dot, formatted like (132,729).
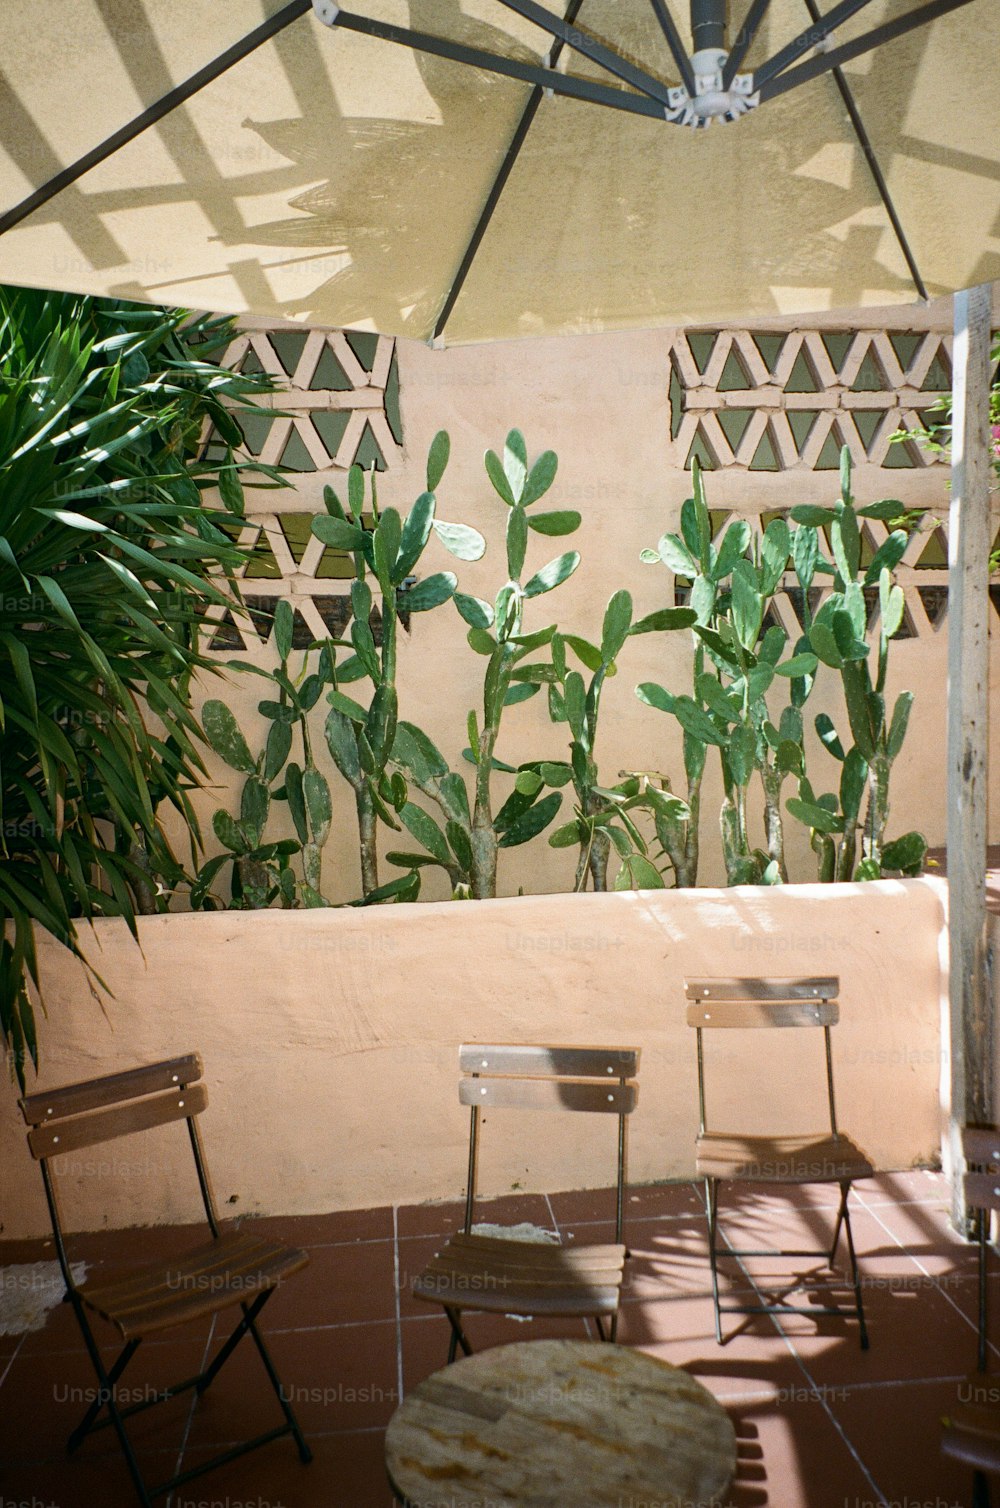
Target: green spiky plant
(467,840)
(735,664)
(836,636)
(362,739)
(108,560)
(602,819)
(261,872)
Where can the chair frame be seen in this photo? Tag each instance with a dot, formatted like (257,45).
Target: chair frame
(545,1065)
(779,1003)
(127,1103)
(981,1149)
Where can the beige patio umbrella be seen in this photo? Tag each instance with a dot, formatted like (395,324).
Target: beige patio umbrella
(463,170)
(473,169)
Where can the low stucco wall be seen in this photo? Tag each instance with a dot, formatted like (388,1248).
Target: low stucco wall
(330,1040)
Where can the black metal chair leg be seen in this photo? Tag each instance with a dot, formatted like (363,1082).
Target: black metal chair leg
(458,1336)
(712,1196)
(86,1424)
(845,1189)
(305,1454)
(855,1279)
(114,1415)
(980,1490)
(250,1313)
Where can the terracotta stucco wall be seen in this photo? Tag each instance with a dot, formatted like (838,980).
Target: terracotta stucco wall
(330,1040)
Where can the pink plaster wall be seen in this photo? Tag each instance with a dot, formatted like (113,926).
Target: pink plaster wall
(330,1039)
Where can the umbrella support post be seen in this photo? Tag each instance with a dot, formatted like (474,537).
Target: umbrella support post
(969,541)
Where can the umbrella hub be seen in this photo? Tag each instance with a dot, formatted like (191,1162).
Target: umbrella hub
(711,100)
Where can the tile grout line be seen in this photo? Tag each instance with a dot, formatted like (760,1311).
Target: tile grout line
(182,1448)
(11,1359)
(817,1388)
(929,1275)
(399,1312)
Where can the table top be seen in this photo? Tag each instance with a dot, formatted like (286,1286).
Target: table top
(557,1422)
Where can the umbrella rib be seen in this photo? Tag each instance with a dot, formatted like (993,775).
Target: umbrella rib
(211,71)
(875,168)
(680,57)
(887,32)
(824,25)
(594,50)
(498,186)
(744,40)
(527,73)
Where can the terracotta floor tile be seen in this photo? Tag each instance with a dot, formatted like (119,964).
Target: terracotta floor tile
(324,1230)
(642,1202)
(765,1195)
(790,1454)
(925,1231)
(46,1395)
(83,1480)
(754,1359)
(342,1378)
(425,1341)
(14,1252)
(901,1322)
(343,1284)
(141,1243)
(442,1219)
(794,1393)
(896,1432)
(913,1185)
(347,1471)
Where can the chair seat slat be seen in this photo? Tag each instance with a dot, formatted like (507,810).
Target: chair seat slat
(233,1269)
(508,1276)
(56,1137)
(111,1089)
(549,1061)
(780,1159)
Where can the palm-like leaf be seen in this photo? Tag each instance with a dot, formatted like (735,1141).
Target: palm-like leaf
(108,560)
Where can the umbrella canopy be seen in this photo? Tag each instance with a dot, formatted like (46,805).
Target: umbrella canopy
(340,175)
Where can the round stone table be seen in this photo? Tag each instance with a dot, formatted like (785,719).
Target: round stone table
(560,1423)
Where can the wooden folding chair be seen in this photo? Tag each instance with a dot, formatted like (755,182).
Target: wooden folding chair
(231,1268)
(752,1003)
(506,1276)
(971,1432)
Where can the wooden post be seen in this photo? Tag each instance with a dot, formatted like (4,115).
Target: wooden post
(971,1024)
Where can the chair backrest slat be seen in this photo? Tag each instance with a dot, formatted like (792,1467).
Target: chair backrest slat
(745,1014)
(772,989)
(981,1144)
(72,1132)
(549,1062)
(982,1191)
(112,1089)
(548,1094)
